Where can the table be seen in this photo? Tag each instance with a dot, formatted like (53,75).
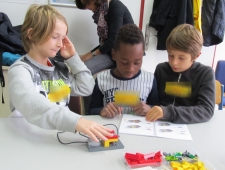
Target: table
(27,147)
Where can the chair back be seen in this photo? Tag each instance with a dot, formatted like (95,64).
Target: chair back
(219,94)
(220,71)
(75,104)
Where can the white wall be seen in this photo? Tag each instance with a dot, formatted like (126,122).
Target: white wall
(82,30)
(220,53)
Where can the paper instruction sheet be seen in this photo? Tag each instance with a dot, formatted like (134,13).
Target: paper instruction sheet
(137,125)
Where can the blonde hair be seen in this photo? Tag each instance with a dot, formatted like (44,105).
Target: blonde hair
(185,38)
(39,24)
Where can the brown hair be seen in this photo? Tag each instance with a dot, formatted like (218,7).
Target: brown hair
(39,24)
(185,38)
(81,4)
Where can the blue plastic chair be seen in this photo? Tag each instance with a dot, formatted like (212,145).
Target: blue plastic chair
(220,75)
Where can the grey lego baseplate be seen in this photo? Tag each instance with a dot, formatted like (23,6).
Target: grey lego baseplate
(114,146)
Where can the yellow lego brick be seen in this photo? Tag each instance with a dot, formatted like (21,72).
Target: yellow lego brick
(107,142)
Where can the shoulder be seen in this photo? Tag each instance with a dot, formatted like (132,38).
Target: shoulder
(199,67)
(20,70)
(116,7)
(163,66)
(103,74)
(202,73)
(20,64)
(146,73)
(116,3)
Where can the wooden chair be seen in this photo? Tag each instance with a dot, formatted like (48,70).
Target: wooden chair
(219,94)
(76,105)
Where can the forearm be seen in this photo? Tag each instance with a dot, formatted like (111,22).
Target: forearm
(83,82)
(187,114)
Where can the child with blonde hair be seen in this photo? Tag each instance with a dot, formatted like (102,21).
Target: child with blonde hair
(40,87)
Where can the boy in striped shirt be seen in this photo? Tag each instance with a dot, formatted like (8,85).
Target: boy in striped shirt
(127,76)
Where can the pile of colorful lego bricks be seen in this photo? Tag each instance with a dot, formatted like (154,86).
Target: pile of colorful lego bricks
(164,161)
(184,161)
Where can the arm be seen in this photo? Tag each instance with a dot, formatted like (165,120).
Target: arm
(96,104)
(202,111)
(83,81)
(39,111)
(36,108)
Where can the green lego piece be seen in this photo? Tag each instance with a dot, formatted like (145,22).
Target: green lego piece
(171,158)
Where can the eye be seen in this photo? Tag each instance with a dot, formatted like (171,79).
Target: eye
(170,55)
(182,58)
(124,62)
(136,63)
(54,37)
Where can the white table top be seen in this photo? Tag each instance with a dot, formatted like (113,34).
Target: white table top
(27,147)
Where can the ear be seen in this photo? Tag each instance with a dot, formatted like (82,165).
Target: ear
(197,56)
(113,52)
(29,32)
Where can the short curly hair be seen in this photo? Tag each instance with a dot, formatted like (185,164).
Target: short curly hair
(129,34)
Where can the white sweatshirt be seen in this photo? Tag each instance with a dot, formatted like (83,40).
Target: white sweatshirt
(29,89)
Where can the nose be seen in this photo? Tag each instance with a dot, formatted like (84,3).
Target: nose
(130,68)
(175,62)
(59,43)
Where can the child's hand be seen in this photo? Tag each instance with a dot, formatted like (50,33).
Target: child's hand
(93,130)
(67,49)
(111,110)
(141,109)
(154,113)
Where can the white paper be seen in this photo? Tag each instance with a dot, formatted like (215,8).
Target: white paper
(137,125)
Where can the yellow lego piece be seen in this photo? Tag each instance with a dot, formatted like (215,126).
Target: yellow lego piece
(107,142)
(187,165)
(175,165)
(127,98)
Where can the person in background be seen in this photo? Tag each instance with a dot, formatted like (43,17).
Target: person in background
(39,88)
(109,15)
(186,88)
(127,76)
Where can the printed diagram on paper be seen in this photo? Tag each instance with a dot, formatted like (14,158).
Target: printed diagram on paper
(137,125)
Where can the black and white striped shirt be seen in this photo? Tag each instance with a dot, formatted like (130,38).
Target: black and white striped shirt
(107,83)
